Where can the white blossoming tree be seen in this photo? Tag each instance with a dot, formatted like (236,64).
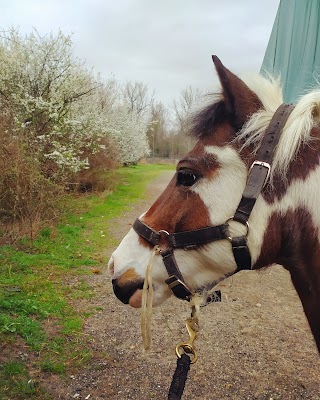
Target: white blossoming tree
(129,132)
(60,109)
(56,120)
(39,83)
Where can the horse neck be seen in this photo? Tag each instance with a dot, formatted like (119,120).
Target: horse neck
(286,219)
(286,230)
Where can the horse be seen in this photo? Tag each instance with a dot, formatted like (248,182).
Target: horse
(245,197)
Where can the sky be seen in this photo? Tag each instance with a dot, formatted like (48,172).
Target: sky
(167,44)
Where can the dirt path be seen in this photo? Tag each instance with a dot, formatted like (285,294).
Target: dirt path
(256,344)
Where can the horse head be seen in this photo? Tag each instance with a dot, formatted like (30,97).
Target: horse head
(204,191)
(208,189)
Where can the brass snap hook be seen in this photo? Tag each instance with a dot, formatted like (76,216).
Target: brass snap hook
(188,347)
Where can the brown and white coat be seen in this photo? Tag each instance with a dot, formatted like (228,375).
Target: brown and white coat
(285,221)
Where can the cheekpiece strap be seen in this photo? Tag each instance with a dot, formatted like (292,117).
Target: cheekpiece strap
(260,169)
(258,176)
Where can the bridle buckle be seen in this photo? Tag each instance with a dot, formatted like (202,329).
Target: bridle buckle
(262,164)
(178,288)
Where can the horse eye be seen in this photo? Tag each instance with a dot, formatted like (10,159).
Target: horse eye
(186,178)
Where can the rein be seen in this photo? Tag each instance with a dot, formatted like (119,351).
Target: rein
(259,173)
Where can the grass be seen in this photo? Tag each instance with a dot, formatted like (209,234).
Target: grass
(40,330)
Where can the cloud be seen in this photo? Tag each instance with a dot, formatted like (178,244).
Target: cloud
(166,44)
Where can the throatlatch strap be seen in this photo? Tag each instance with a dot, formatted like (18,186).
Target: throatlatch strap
(241,253)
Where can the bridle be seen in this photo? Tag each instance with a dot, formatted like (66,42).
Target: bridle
(257,178)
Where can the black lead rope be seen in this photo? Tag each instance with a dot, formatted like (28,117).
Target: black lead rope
(179,378)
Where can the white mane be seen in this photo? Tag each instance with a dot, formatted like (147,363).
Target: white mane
(297,130)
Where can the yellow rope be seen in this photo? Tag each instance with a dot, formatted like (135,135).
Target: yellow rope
(196,302)
(146,306)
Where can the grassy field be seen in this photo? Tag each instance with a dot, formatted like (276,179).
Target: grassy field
(40,330)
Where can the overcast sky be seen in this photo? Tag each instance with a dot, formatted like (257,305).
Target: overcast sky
(167,44)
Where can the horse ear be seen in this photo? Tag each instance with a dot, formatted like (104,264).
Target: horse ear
(240,101)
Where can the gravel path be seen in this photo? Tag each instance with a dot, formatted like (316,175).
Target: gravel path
(255,344)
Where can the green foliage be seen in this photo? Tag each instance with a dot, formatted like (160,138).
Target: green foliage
(15,383)
(12,368)
(36,298)
(71,325)
(53,367)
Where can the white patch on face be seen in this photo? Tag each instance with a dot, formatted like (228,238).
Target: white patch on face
(223,192)
(129,254)
(199,269)
(221,195)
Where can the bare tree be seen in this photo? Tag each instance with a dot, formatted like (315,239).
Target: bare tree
(189,98)
(158,136)
(182,109)
(138,97)
(108,94)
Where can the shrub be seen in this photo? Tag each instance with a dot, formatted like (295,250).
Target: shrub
(27,196)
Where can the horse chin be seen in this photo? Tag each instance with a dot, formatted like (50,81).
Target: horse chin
(135,300)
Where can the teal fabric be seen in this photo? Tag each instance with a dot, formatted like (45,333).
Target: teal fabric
(293,50)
